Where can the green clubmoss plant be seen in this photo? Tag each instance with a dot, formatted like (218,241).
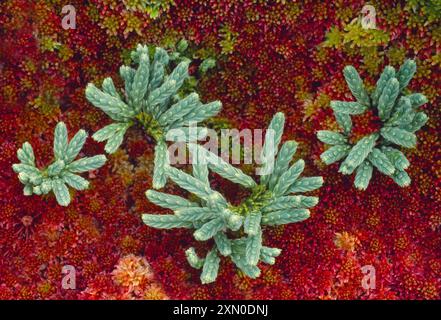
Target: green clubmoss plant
(400,118)
(150,98)
(237,231)
(62,172)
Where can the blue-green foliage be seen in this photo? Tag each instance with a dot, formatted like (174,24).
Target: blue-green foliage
(151,97)
(237,231)
(401,119)
(62,172)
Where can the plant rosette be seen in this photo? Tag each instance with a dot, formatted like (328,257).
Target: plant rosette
(62,172)
(400,119)
(152,99)
(237,230)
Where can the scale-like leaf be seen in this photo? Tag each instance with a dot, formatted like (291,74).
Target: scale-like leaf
(406,72)
(156,76)
(108,131)
(127,73)
(364,175)
(306,184)
(285,216)
(331,137)
(193,258)
(388,98)
(273,136)
(61,192)
(161,58)
(358,153)
(109,88)
(403,113)
(200,171)
(223,244)
(417,99)
(75,181)
(283,160)
(86,164)
(401,178)
(161,94)
(200,113)
(272,252)
(169,201)
(387,74)
(165,221)
(195,213)
(210,268)
(249,270)
(180,73)
(381,162)
(189,183)
(55,168)
(180,109)
(344,121)
(140,82)
(234,221)
(282,203)
(113,107)
(288,178)
(399,136)
(209,229)
(417,122)
(252,223)
(253,246)
(335,153)
(350,108)
(268,255)
(161,164)
(60,140)
(356,86)
(28,169)
(75,145)
(396,157)
(221,167)
(26,154)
